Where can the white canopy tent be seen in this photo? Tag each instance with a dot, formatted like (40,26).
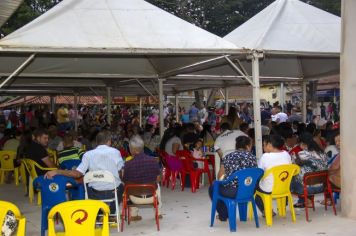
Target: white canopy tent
(291,41)
(115,47)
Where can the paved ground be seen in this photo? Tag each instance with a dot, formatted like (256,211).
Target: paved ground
(185,213)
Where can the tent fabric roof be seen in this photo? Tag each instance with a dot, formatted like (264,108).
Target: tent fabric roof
(111,24)
(7,8)
(290,25)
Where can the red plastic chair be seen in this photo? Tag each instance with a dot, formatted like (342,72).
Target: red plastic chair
(187,161)
(149,189)
(166,172)
(312,178)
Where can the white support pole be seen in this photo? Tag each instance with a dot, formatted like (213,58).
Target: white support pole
(304,101)
(140,112)
(53,104)
(257,103)
(226,94)
(281,96)
(108,104)
(161,101)
(75,111)
(177,108)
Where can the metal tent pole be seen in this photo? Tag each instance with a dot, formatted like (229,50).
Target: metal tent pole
(304,100)
(160,97)
(140,114)
(108,104)
(226,94)
(257,103)
(75,111)
(177,108)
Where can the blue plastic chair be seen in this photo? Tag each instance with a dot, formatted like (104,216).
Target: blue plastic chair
(69,164)
(247,181)
(53,192)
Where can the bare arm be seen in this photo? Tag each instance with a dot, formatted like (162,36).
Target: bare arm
(69,173)
(48,162)
(221,172)
(220,153)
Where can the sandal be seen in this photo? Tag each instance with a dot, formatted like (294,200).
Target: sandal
(328,202)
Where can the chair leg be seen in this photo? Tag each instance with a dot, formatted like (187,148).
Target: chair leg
(267,203)
(16,173)
(290,201)
(182,179)
(2,176)
(232,215)
(253,203)
(332,201)
(243,211)
(279,206)
(306,207)
(31,190)
(210,176)
(213,210)
(155,204)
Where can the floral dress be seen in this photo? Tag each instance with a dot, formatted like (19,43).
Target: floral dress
(310,161)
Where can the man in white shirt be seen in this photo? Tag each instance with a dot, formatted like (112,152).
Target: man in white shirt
(103,157)
(272,157)
(225,144)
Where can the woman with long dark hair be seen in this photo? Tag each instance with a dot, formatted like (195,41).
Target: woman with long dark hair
(232,118)
(312,158)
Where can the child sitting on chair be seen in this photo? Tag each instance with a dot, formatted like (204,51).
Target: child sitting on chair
(197,153)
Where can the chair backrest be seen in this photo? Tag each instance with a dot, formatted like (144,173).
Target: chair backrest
(79,217)
(318,177)
(6,160)
(8,206)
(31,167)
(98,176)
(53,191)
(52,155)
(186,158)
(140,189)
(282,176)
(247,181)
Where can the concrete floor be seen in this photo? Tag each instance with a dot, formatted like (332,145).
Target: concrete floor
(186,213)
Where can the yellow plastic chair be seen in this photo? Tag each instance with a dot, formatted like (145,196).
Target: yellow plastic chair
(31,169)
(52,154)
(8,206)
(79,218)
(7,164)
(281,190)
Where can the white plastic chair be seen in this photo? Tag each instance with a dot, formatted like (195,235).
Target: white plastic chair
(107,177)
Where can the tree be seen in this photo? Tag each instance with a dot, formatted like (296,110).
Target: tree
(28,11)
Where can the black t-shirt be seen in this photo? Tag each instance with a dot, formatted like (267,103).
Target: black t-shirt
(37,152)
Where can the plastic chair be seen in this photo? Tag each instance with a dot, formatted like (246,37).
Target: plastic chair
(247,181)
(8,206)
(150,189)
(53,192)
(79,218)
(103,176)
(282,175)
(188,168)
(31,169)
(313,178)
(52,154)
(166,172)
(7,164)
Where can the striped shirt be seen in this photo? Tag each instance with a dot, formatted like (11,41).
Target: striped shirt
(106,158)
(71,153)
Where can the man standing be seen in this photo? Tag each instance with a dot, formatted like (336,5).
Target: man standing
(63,118)
(225,143)
(103,157)
(142,169)
(193,113)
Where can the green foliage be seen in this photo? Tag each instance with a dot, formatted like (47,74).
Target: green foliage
(28,11)
(217,16)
